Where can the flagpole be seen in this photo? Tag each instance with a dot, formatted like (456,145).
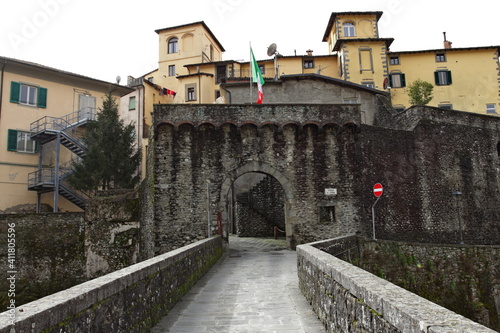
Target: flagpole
(250,71)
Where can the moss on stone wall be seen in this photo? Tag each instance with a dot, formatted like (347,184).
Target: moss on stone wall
(460,278)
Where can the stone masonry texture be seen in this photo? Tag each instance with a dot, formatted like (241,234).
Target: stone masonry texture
(462,278)
(420,156)
(132,299)
(349,299)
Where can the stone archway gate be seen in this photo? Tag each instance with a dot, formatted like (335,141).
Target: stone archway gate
(199,150)
(327,163)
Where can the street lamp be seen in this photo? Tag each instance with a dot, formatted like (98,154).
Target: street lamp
(457,194)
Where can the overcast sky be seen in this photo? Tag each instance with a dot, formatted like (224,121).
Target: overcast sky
(106,38)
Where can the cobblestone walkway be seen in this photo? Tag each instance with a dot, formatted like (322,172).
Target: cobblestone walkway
(253,288)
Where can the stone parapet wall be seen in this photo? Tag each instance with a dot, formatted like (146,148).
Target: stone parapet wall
(55,251)
(49,254)
(262,114)
(462,278)
(132,299)
(349,299)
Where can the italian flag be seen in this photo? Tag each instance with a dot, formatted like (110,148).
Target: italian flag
(257,77)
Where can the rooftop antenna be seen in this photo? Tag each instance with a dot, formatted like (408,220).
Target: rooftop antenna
(272,50)
(321,69)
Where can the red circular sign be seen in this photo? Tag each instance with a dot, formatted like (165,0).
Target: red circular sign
(378,189)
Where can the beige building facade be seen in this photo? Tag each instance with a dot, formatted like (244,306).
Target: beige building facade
(36,98)
(190,65)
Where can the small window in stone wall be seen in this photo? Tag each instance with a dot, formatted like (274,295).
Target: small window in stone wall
(327,214)
(498,149)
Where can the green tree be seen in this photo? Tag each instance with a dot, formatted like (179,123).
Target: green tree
(111,159)
(420,92)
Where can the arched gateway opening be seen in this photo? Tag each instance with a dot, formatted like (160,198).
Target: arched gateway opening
(255,199)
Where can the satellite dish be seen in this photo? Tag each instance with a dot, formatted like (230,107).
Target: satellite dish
(271,50)
(118,79)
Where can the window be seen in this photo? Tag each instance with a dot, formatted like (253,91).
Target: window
(397,80)
(446,106)
(172,45)
(394,60)
(440,57)
(349,30)
(20,141)
(221,74)
(262,69)
(28,95)
(171,70)
(24,94)
(442,78)
(491,108)
(352,100)
(368,84)
(327,214)
(308,63)
(365,60)
(131,103)
(191,92)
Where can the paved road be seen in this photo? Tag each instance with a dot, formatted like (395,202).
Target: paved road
(253,288)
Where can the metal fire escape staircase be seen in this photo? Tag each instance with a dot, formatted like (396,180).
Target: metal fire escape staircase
(64,131)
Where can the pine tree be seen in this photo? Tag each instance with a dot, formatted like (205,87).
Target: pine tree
(111,160)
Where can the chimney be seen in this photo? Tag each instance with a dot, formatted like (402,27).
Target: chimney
(447,43)
(309,52)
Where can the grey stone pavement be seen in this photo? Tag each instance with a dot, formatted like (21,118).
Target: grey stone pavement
(253,288)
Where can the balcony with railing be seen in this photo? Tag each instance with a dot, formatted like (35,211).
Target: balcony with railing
(49,178)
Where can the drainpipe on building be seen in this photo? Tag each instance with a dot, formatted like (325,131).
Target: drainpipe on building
(199,85)
(1,86)
(228,93)
(140,124)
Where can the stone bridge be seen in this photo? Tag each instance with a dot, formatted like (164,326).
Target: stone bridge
(143,297)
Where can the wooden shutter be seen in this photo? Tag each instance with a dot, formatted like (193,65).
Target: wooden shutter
(12,140)
(42,97)
(436,79)
(449,77)
(15,90)
(403,80)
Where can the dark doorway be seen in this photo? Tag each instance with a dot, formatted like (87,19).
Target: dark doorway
(257,206)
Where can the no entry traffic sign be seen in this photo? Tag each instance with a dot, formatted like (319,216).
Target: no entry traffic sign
(378,189)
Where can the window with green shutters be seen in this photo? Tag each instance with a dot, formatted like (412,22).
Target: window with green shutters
(12,140)
(19,141)
(397,80)
(25,94)
(442,78)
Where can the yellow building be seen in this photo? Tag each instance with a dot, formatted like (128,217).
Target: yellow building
(362,54)
(36,99)
(191,69)
(190,64)
(464,79)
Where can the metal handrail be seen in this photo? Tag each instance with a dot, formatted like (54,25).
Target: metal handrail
(43,176)
(71,120)
(47,176)
(80,116)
